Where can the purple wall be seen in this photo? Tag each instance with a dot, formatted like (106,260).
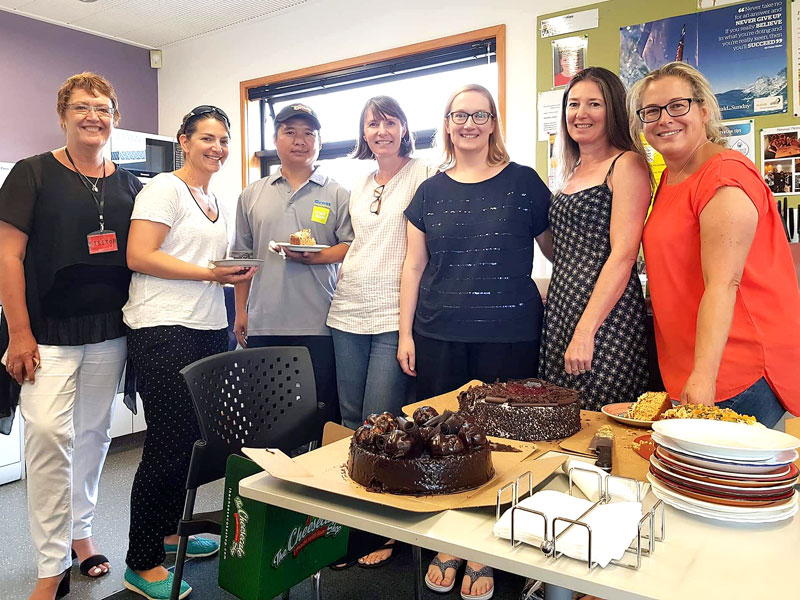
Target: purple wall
(35,59)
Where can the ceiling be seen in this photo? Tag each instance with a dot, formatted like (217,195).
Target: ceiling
(149,23)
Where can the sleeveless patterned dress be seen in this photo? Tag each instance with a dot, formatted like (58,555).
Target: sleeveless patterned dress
(581,246)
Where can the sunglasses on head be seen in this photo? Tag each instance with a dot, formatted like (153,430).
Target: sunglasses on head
(208,109)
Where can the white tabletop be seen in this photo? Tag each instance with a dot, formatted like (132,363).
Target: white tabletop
(700,558)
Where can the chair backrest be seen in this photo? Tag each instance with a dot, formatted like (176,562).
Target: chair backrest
(260,397)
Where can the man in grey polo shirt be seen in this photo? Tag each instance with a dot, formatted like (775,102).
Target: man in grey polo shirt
(287,302)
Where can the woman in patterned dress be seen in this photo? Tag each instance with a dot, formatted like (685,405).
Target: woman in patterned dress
(594,329)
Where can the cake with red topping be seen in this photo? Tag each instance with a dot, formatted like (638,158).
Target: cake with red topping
(427,454)
(528,409)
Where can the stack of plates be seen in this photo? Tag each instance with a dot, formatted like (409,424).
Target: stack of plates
(726,471)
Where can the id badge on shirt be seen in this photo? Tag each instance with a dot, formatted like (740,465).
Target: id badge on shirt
(102,241)
(320,214)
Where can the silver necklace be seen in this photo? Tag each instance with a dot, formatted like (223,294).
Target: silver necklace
(690,158)
(94,185)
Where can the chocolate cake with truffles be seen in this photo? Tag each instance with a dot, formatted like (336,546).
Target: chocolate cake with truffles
(427,454)
(526,409)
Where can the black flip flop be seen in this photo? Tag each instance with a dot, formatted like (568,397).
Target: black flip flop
(90,563)
(389,545)
(343,566)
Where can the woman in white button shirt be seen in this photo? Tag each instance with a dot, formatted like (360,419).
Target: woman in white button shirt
(364,313)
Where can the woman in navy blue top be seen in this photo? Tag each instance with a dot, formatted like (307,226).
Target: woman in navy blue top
(466,284)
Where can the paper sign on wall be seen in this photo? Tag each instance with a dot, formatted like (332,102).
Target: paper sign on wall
(5,169)
(549,113)
(578,21)
(741,136)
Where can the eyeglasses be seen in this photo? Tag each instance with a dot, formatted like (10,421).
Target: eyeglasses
(208,109)
(375,205)
(480,117)
(105,112)
(676,108)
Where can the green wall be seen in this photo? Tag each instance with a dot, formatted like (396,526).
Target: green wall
(603,51)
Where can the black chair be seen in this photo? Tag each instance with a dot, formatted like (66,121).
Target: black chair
(261,397)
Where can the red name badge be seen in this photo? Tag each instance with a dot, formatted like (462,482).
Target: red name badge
(102,241)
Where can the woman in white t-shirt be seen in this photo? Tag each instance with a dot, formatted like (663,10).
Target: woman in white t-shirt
(176,315)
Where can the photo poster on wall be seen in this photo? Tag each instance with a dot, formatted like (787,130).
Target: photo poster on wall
(569,58)
(780,159)
(794,7)
(552,162)
(742,53)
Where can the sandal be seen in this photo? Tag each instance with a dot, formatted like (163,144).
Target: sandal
(388,545)
(342,566)
(473,577)
(453,563)
(90,563)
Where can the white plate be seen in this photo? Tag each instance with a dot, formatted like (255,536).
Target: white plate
(758,514)
(721,439)
(726,465)
(238,262)
(301,248)
(767,517)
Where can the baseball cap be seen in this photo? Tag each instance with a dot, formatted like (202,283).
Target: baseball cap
(298,110)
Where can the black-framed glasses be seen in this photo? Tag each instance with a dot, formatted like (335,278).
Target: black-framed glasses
(375,205)
(105,112)
(676,108)
(206,109)
(480,117)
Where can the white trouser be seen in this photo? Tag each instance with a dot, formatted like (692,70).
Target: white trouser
(67,414)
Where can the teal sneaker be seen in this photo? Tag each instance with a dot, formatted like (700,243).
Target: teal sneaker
(197,548)
(153,590)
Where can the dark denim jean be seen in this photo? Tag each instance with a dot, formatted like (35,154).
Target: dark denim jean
(758,401)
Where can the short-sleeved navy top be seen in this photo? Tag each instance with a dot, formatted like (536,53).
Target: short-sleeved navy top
(477,285)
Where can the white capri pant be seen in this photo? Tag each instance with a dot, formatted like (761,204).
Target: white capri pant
(67,414)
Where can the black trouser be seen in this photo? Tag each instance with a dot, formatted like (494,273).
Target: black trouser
(159,487)
(445,366)
(320,347)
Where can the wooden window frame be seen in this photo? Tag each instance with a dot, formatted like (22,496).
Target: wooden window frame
(250,163)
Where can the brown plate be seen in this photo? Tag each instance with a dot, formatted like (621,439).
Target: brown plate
(775,476)
(646,446)
(726,500)
(713,483)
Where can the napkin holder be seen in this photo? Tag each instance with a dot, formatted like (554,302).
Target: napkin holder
(646,536)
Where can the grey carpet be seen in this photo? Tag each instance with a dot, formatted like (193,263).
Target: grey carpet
(395,581)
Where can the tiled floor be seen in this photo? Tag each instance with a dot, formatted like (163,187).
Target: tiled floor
(17,568)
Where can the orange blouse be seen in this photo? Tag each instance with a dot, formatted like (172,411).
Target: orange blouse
(764,338)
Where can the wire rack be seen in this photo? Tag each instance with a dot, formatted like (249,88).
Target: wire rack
(643,545)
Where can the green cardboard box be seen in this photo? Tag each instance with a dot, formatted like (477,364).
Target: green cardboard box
(265,549)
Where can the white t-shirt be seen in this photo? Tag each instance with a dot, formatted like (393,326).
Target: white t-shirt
(193,238)
(367,296)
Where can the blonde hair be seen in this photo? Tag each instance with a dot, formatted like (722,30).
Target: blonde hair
(701,91)
(92,83)
(498,155)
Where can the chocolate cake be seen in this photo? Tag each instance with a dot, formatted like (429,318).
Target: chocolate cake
(526,410)
(427,454)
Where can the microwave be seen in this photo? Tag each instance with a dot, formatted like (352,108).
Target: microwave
(144,154)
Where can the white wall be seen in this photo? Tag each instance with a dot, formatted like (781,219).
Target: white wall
(208,70)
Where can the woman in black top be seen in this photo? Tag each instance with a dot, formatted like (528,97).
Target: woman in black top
(466,284)
(64,218)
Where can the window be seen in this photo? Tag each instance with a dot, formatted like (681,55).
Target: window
(419,77)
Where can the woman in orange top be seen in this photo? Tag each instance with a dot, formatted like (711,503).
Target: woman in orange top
(725,295)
